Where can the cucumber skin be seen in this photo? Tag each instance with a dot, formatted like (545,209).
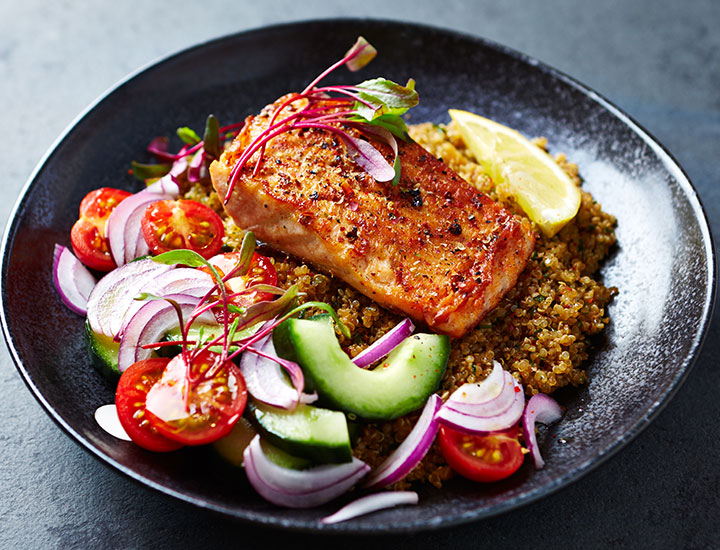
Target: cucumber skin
(316,452)
(99,358)
(397,403)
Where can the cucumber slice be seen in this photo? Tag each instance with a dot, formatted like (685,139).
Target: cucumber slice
(232,446)
(400,384)
(320,435)
(103,352)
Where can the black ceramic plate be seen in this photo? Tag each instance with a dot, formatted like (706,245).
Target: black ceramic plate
(663,267)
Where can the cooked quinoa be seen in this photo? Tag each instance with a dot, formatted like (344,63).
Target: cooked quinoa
(540,331)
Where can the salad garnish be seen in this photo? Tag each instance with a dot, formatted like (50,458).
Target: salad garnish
(373,108)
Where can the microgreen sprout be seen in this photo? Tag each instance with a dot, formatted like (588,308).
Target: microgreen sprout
(370,109)
(236,335)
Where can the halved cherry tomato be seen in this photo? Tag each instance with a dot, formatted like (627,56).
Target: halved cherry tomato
(130,397)
(88,236)
(485,458)
(262,271)
(174,224)
(213,405)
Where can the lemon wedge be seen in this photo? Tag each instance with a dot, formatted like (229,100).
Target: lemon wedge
(538,184)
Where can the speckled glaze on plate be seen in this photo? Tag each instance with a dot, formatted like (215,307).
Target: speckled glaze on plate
(664,265)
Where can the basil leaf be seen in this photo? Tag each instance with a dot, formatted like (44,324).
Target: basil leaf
(149,171)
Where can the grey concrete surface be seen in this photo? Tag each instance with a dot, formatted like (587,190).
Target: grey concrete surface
(658,60)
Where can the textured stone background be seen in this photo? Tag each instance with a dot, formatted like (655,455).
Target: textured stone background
(657,60)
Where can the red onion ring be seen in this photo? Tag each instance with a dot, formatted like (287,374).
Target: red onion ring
(545,410)
(299,488)
(371,503)
(383,346)
(123,225)
(411,451)
(72,280)
(497,414)
(114,293)
(150,324)
(193,172)
(266,381)
(181,280)
(165,185)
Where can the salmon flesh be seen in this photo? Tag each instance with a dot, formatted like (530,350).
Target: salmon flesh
(432,247)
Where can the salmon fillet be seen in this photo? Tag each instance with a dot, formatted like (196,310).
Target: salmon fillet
(432,247)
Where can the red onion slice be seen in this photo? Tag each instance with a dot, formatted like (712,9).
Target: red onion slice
(193,173)
(411,451)
(299,488)
(371,503)
(492,396)
(503,419)
(266,380)
(181,280)
(123,225)
(114,293)
(545,410)
(151,323)
(483,391)
(166,185)
(107,418)
(133,240)
(383,346)
(72,280)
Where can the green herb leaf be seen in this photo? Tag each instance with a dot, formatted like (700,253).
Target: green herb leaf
(398,170)
(188,135)
(236,309)
(394,124)
(360,54)
(211,138)
(181,256)
(148,171)
(385,98)
(189,258)
(247,249)
(264,311)
(147,296)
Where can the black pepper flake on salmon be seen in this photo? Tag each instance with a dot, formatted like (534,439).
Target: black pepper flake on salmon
(416,197)
(455,228)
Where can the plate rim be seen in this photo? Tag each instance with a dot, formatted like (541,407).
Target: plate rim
(258,518)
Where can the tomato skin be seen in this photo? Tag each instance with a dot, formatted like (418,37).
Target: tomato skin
(490,466)
(177,224)
(216,404)
(88,235)
(132,390)
(262,271)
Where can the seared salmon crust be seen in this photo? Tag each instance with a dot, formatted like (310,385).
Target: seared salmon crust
(432,247)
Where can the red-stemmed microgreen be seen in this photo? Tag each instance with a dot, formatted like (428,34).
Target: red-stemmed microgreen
(202,150)
(364,107)
(234,337)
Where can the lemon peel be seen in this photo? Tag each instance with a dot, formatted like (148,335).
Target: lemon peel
(538,184)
